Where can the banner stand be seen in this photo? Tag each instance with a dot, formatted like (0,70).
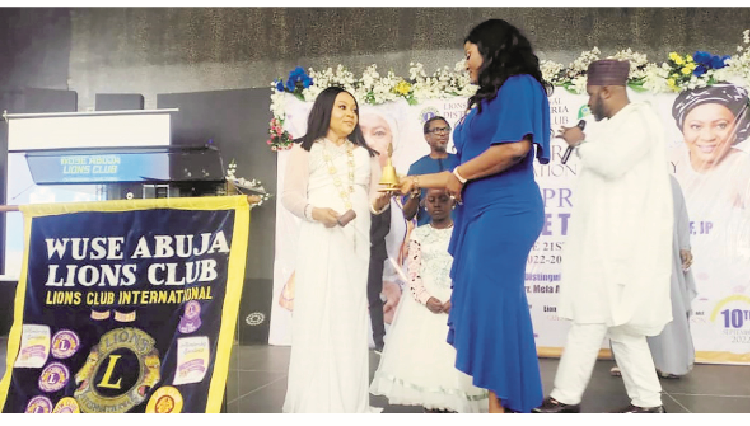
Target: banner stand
(125,338)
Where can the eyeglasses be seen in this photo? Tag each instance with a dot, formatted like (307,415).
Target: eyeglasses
(439,129)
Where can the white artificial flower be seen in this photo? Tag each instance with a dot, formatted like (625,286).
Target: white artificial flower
(278,100)
(460,65)
(416,72)
(655,79)
(550,70)
(579,84)
(360,97)
(306,95)
(636,60)
(722,74)
(582,63)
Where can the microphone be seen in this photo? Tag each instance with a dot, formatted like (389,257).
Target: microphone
(566,155)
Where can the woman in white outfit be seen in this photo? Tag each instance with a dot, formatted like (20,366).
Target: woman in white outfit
(330,175)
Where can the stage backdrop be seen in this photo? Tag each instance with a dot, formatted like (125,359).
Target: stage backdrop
(719,211)
(126,306)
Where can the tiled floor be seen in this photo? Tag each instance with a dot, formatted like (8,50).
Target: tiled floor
(258,378)
(257,383)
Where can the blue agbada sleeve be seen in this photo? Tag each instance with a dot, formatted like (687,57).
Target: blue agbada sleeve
(522,109)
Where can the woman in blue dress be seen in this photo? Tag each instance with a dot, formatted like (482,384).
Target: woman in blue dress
(500,217)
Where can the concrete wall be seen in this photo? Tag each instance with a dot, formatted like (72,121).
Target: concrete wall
(154,51)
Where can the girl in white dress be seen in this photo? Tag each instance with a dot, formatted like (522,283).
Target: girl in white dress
(330,175)
(418,365)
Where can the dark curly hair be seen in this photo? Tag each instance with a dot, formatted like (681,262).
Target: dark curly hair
(505,53)
(319,121)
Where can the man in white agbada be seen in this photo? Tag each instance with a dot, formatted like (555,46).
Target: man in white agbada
(618,258)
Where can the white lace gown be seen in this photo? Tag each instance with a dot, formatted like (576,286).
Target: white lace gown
(329,364)
(418,365)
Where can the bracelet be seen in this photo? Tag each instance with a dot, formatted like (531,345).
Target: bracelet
(458,176)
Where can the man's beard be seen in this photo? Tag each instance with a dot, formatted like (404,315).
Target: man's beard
(439,148)
(598,110)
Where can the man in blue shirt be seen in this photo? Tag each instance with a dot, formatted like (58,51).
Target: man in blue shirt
(436,132)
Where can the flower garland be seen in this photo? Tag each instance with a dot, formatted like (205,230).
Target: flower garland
(678,73)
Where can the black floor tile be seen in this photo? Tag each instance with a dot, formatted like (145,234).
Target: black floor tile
(714,404)
(257,382)
(240,383)
(267,399)
(712,379)
(672,405)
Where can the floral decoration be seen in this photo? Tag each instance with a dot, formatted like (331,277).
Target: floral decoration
(279,138)
(678,73)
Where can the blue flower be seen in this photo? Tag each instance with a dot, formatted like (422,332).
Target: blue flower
(716,62)
(279,86)
(702,57)
(699,70)
(297,72)
(297,75)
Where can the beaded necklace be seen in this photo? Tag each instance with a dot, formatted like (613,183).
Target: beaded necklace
(345,193)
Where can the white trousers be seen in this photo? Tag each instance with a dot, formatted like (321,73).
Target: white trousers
(633,358)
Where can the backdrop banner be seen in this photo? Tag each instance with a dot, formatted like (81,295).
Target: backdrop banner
(708,152)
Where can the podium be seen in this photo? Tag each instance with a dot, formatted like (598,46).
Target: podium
(133,172)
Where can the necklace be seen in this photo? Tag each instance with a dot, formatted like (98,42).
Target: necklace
(345,193)
(440,229)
